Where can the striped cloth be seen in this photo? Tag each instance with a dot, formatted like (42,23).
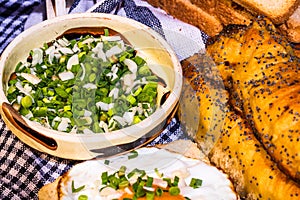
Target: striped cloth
(23,170)
(13,15)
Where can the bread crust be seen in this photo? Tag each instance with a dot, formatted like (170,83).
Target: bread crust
(50,190)
(291,28)
(237,152)
(211,16)
(263,75)
(277,11)
(186,11)
(226,11)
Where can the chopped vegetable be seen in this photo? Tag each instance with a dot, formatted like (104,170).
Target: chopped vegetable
(195,183)
(67,79)
(26,102)
(75,190)
(83,197)
(174,191)
(158,173)
(138,184)
(133,154)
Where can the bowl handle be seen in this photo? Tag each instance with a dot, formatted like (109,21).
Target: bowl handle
(19,123)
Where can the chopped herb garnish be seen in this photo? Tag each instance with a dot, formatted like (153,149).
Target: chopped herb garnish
(159,192)
(133,154)
(195,183)
(106,162)
(123,184)
(121,171)
(149,181)
(106,32)
(83,197)
(169,181)
(174,190)
(75,190)
(150,195)
(104,178)
(160,175)
(176,181)
(141,187)
(83,85)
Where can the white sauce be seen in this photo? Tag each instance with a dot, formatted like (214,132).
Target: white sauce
(215,184)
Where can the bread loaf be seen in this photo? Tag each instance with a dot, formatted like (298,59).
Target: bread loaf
(277,11)
(257,63)
(211,16)
(237,152)
(190,13)
(226,11)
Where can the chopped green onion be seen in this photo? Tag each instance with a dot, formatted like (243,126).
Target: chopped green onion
(61,92)
(83,197)
(138,91)
(140,192)
(75,190)
(26,101)
(176,181)
(111,112)
(121,171)
(106,162)
(144,71)
(174,190)
(131,99)
(195,183)
(68,107)
(139,61)
(104,178)
(123,184)
(150,195)
(160,175)
(142,187)
(136,119)
(131,174)
(76,81)
(159,192)
(11,89)
(136,171)
(106,32)
(168,180)
(113,181)
(133,154)
(149,181)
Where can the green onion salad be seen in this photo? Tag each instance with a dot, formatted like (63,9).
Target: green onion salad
(85,85)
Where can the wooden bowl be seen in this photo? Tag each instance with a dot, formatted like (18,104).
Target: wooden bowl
(160,57)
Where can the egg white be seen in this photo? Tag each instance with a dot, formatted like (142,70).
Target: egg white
(215,184)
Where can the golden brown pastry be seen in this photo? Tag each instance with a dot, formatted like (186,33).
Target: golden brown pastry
(237,152)
(258,66)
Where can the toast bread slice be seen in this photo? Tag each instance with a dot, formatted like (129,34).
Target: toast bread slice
(211,16)
(277,11)
(291,27)
(227,11)
(185,11)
